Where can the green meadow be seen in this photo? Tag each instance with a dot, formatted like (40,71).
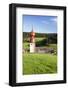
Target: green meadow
(39,63)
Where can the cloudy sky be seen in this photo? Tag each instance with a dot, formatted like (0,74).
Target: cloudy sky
(40,24)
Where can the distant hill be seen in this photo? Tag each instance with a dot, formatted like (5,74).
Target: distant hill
(27,34)
(48,37)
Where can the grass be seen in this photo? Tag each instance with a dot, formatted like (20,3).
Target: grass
(38,39)
(54,46)
(26,45)
(39,63)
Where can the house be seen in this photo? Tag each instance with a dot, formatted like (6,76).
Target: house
(44,50)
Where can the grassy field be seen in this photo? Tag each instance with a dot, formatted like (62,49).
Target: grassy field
(39,63)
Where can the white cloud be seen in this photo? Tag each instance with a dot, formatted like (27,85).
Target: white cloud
(45,22)
(54,19)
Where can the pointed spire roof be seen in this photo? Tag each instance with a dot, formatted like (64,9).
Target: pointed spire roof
(32,29)
(32,32)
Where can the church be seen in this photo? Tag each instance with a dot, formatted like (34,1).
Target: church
(34,49)
(32,41)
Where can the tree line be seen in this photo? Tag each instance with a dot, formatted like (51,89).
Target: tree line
(48,38)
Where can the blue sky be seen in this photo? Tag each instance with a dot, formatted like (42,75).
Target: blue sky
(40,24)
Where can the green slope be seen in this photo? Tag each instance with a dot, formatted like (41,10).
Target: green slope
(39,63)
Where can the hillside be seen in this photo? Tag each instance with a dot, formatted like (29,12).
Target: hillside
(47,37)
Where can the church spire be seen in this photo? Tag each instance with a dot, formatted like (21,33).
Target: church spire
(32,29)
(32,41)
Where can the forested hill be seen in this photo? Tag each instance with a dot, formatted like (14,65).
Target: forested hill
(50,37)
(27,34)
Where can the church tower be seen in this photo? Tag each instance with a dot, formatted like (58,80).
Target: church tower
(32,41)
